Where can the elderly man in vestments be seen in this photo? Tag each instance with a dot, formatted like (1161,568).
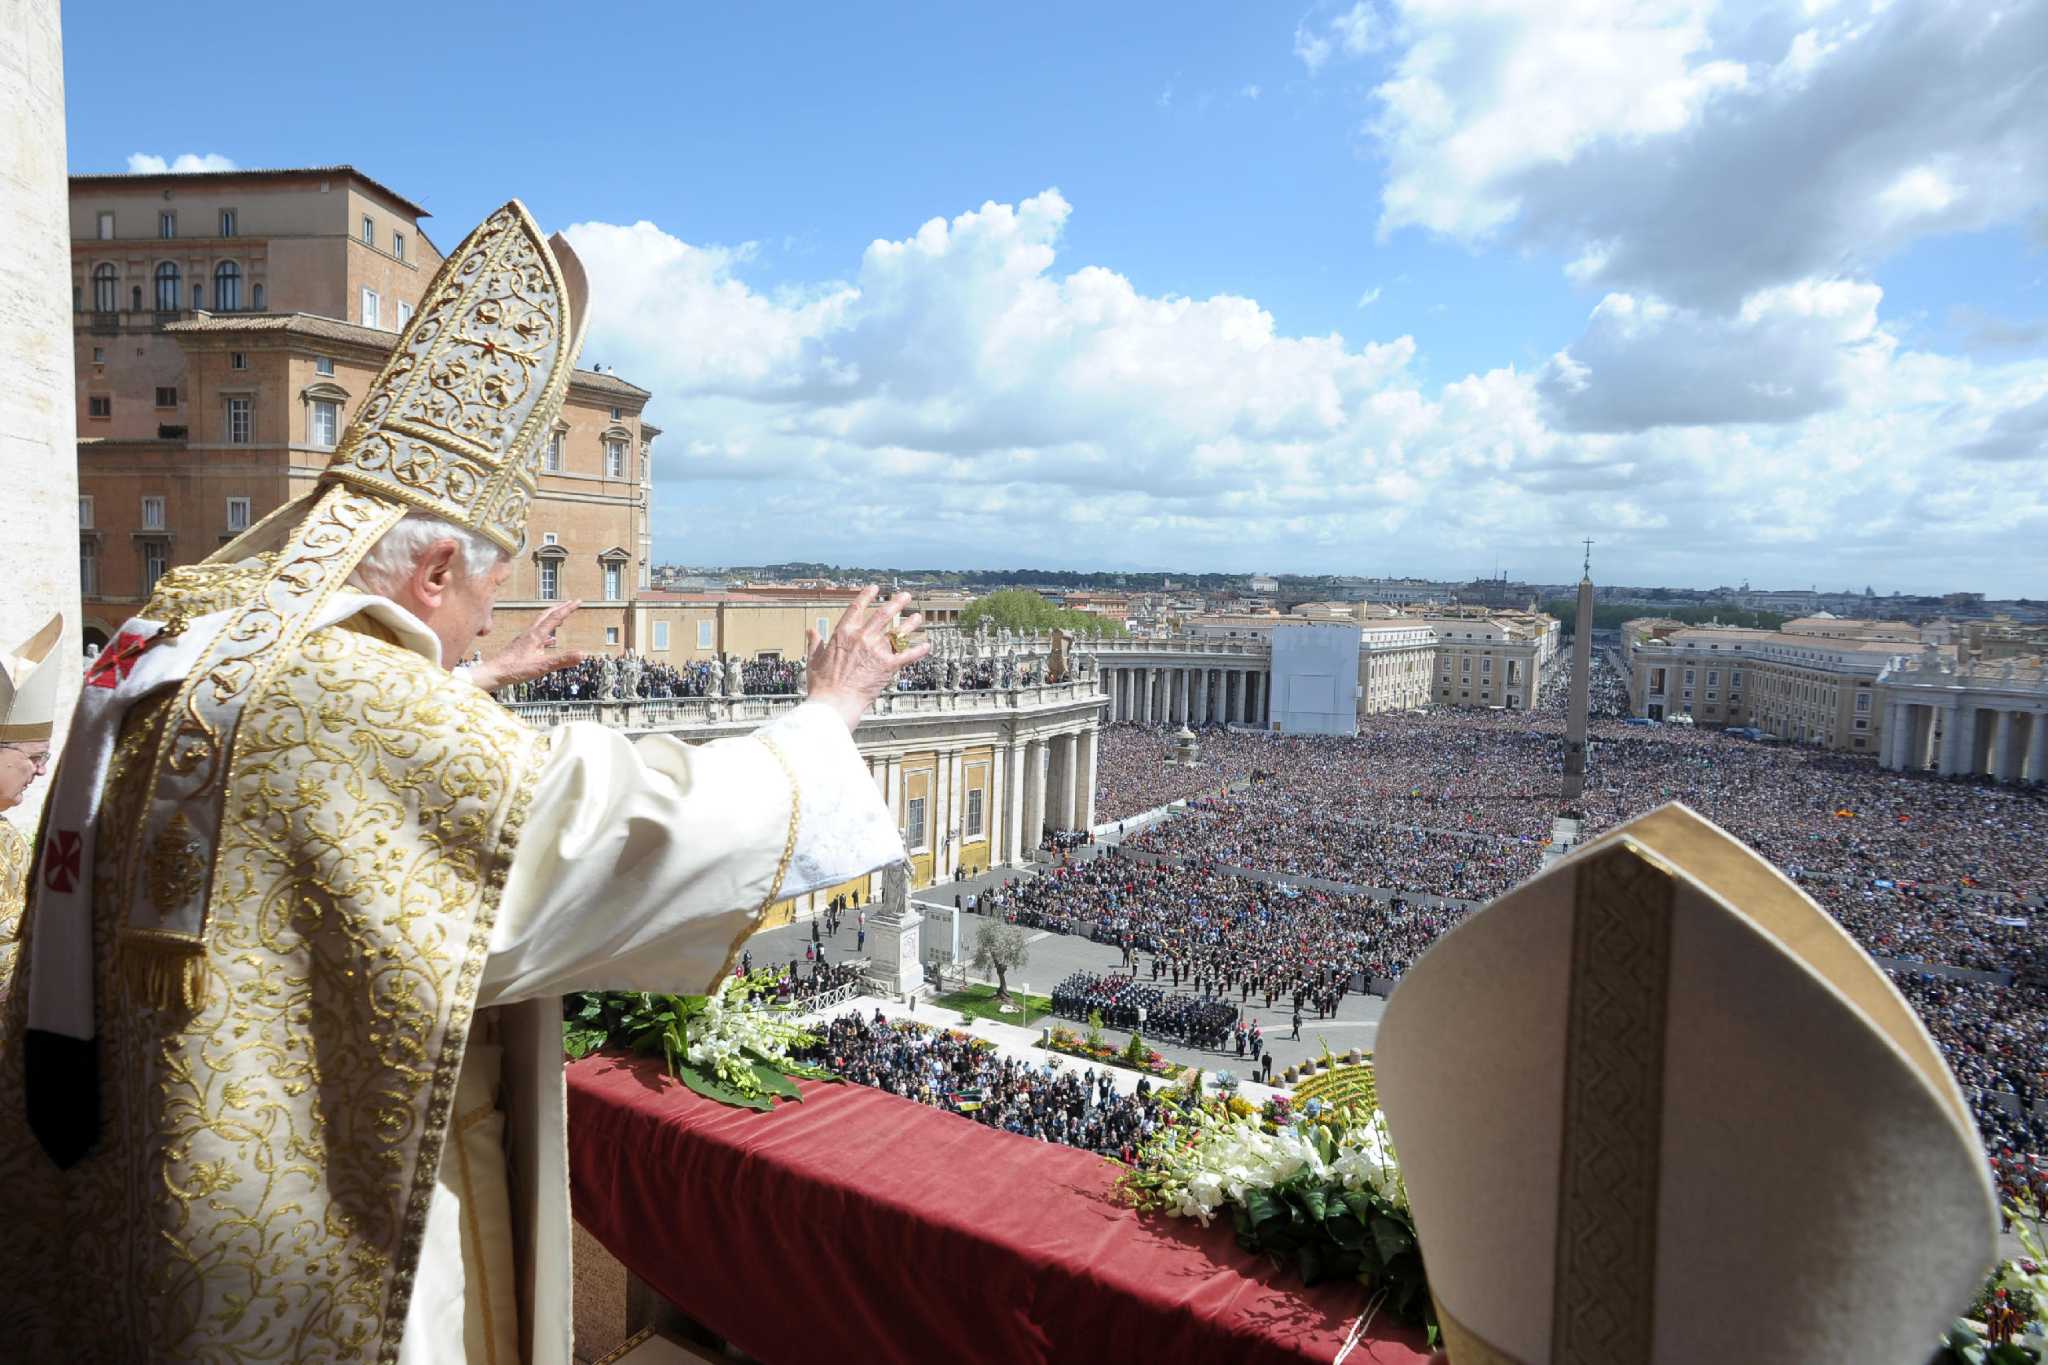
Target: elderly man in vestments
(306,900)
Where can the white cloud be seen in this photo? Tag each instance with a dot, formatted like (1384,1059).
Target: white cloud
(1351,33)
(1311,47)
(1251,92)
(142,163)
(1369,297)
(1702,151)
(1787,353)
(965,396)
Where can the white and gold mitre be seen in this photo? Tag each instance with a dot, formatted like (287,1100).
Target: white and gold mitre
(1654,1105)
(28,687)
(456,422)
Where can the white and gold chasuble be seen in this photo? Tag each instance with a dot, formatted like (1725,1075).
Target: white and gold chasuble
(282,1174)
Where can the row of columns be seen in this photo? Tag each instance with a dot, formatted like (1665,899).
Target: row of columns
(1045,782)
(1955,738)
(1171,695)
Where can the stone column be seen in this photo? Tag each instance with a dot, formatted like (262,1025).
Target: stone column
(1255,700)
(1201,698)
(1888,746)
(1034,795)
(1145,701)
(2004,751)
(1182,678)
(2037,761)
(1084,780)
(1013,803)
(1921,754)
(1060,783)
(38,401)
(1958,740)
(892,787)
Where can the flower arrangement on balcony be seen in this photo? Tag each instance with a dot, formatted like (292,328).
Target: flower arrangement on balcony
(2008,1325)
(1322,1191)
(1134,1054)
(1339,1084)
(727,1046)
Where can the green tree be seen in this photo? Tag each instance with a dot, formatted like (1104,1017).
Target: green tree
(1002,949)
(1022,609)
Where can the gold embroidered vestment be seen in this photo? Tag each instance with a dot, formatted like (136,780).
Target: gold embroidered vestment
(266,1160)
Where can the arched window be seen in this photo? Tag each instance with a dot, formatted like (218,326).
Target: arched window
(227,287)
(106,296)
(256,297)
(167,287)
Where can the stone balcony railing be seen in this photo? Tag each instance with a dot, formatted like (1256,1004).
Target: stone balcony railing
(1116,650)
(714,713)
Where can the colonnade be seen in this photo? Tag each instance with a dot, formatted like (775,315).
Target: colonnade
(1174,694)
(1957,737)
(1036,783)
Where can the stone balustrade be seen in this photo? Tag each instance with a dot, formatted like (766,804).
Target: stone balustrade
(723,713)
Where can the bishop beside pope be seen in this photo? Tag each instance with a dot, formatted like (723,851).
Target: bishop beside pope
(281,1037)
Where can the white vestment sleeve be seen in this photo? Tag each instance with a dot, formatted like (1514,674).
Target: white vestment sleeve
(642,865)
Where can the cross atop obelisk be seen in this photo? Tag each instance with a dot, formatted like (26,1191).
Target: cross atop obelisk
(1582,683)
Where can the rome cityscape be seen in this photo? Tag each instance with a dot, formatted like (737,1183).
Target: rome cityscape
(1326,520)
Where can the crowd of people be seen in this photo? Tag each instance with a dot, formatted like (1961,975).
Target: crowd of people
(1126,1003)
(1078,1107)
(1212,932)
(1458,804)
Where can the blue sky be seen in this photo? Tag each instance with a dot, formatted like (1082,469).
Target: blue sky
(1362,287)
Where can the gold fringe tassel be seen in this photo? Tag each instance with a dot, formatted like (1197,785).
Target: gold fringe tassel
(164,973)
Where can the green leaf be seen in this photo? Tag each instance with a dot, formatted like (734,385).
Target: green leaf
(1346,1231)
(1264,1209)
(775,1083)
(1390,1239)
(1314,1203)
(708,1085)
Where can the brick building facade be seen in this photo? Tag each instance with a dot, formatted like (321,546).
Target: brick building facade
(228,323)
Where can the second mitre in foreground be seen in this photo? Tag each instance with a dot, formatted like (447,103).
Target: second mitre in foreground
(1655,1105)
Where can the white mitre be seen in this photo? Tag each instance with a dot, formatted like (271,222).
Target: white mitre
(28,687)
(1654,1105)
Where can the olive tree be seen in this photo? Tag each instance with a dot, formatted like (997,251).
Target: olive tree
(1002,949)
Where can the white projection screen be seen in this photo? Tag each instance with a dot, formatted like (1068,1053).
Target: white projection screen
(1315,679)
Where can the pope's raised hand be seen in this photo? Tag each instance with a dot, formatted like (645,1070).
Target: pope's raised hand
(530,654)
(859,660)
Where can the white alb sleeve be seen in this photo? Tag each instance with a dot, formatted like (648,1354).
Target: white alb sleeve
(644,865)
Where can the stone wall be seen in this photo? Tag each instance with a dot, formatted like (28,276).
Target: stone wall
(38,434)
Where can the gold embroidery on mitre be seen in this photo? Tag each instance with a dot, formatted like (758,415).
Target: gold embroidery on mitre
(454,423)
(1605,1299)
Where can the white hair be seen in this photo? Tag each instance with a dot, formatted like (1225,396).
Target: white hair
(390,561)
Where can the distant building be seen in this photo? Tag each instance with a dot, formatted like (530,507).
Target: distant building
(1809,688)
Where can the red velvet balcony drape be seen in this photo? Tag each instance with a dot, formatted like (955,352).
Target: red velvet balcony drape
(860,1226)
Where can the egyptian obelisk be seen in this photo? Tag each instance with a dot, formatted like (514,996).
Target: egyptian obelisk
(1582,684)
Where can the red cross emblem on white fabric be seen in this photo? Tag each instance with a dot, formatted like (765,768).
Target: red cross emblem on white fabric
(117,660)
